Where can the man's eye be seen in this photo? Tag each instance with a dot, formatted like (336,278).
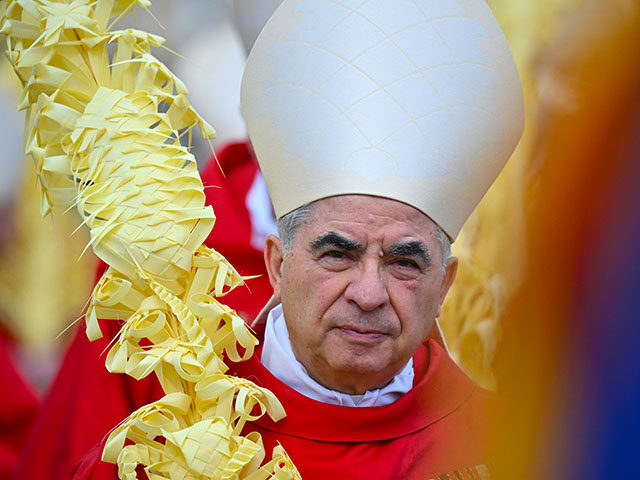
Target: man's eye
(335,254)
(406,263)
(335,260)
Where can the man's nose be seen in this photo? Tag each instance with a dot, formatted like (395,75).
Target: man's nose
(367,288)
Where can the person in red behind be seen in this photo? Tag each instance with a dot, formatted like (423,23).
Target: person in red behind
(86,401)
(18,408)
(378,127)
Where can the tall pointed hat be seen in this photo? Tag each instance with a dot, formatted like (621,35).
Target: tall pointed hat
(415,100)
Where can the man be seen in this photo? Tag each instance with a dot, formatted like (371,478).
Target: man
(360,292)
(361,281)
(378,127)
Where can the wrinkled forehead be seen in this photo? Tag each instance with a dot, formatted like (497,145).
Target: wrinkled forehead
(368,215)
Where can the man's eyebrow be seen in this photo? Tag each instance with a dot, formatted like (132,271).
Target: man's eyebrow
(333,239)
(414,248)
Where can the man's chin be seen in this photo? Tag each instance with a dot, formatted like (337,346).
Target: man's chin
(365,369)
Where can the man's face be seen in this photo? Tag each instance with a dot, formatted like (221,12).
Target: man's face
(360,289)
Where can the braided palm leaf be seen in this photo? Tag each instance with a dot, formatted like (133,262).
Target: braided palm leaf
(104,133)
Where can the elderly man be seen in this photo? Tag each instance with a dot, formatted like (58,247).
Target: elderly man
(361,280)
(378,127)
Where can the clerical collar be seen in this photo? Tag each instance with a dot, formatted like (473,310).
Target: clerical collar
(279,359)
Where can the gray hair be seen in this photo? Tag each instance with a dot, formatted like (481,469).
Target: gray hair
(445,245)
(288,226)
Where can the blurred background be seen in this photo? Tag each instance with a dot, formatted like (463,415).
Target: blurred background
(544,309)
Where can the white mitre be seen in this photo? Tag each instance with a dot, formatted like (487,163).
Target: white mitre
(414,100)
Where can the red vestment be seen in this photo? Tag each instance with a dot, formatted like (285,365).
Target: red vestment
(439,429)
(86,401)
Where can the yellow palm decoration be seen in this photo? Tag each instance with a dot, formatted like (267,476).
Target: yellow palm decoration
(104,133)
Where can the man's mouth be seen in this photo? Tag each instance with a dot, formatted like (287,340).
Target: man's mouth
(360,334)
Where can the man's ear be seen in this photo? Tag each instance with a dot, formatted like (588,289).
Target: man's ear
(273,257)
(450,270)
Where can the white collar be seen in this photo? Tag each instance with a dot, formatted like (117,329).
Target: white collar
(279,359)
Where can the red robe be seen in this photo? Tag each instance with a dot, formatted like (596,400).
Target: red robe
(439,427)
(234,225)
(438,430)
(86,401)
(18,407)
